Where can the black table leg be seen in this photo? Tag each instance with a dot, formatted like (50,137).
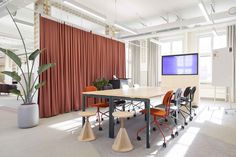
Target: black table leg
(83,108)
(111,118)
(147,107)
(190,104)
(176,113)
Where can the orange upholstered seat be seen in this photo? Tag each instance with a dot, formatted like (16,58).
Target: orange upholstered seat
(155,112)
(97,105)
(100,105)
(161,113)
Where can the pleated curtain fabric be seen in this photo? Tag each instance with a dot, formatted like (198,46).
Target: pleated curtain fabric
(152,64)
(80,57)
(135,61)
(231,42)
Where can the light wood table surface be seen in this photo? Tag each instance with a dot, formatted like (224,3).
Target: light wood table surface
(143,94)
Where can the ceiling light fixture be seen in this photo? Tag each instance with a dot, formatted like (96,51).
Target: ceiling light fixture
(125,29)
(204,11)
(156,42)
(84,10)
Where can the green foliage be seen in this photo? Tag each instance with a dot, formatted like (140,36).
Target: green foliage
(45,67)
(16,92)
(12,55)
(13,75)
(34,54)
(30,88)
(100,83)
(39,85)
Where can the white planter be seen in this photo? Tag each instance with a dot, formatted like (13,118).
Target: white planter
(28,116)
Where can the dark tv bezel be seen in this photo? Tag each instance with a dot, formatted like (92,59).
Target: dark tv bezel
(178,55)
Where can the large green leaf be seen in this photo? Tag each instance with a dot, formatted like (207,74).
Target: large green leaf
(13,75)
(39,85)
(16,92)
(12,55)
(34,54)
(45,67)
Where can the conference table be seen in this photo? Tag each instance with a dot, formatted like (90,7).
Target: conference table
(143,94)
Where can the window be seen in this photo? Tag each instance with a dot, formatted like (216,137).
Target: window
(205,69)
(169,47)
(177,47)
(205,46)
(165,48)
(219,42)
(172,47)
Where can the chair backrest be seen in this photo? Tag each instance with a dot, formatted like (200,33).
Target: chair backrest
(178,94)
(187,91)
(90,89)
(167,100)
(193,90)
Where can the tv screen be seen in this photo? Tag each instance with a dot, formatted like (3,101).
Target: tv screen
(184,64)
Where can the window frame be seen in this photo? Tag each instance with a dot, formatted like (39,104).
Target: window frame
(207,54)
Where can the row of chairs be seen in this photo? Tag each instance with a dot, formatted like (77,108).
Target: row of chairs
(172,105)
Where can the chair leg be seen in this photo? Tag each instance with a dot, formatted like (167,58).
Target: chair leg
(168,127)
(99,120)
(141,130)
(185,122)
(159,127)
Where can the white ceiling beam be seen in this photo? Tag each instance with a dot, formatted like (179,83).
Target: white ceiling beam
(186,22)
(171,33)
(223,16)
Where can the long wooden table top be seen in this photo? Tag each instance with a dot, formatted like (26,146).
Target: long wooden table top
(142,92)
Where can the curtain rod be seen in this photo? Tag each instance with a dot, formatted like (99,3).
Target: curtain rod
(73,25)
(79,27)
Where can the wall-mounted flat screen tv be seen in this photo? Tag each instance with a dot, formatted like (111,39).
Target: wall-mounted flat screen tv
(184,64)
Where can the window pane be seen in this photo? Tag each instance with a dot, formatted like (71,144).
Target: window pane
(204,44)
(219,42)
(205,69)
(177,47)
(165,48)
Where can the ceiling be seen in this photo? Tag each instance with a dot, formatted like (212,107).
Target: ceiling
(131,10)
(142,13)
(143,16)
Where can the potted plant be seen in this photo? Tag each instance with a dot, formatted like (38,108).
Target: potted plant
(102,84)
(28,112)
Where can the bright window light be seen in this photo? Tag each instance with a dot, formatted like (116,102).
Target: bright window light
(67,125)
(212,116)
(183,143)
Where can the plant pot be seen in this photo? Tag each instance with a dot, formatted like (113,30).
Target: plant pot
(28,115)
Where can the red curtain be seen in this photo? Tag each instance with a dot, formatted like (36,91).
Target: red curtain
(81,57)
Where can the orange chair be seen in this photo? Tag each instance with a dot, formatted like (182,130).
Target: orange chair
(98,106)
(160,113)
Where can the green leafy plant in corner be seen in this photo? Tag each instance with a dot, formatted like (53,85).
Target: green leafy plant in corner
(30,88)
(100,83)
